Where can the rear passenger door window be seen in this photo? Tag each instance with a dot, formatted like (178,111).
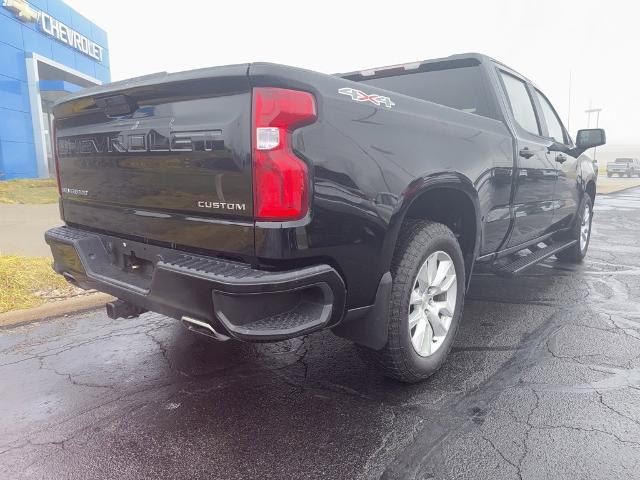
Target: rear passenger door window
(521,103)
(554,125)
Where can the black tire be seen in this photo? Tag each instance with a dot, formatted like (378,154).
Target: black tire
(398,359)
(576,253)
(608,174)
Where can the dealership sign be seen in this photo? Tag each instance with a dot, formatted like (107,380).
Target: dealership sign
(54,28)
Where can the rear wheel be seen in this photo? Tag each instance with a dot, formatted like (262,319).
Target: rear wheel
(581,232)
(609,174)
(425,304)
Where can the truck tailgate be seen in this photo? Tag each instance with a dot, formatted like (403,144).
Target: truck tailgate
(166,159)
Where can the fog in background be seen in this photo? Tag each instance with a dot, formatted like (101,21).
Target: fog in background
(593,41)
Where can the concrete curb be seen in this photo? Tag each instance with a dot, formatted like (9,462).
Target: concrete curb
(54,309)
(617,191)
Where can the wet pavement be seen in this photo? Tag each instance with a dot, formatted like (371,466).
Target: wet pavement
(543,382)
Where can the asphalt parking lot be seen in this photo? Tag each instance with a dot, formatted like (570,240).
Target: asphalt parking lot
(543,382)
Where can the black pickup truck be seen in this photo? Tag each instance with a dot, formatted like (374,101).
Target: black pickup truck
(262,202)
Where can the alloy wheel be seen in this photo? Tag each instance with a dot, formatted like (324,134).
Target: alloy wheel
(432,303)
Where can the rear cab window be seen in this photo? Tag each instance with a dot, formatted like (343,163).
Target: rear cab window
(455,84)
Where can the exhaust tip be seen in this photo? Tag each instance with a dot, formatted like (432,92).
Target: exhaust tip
(70,278)
(203,328)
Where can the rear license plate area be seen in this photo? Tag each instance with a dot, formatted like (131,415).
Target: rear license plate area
(134,260)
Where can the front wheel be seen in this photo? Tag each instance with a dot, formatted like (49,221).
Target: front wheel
(581,232)
(609,174)
(426,302)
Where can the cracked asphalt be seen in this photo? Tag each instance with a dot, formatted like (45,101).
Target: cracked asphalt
(543,382)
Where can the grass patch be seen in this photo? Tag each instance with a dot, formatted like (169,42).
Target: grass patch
(27,282)
(29,190)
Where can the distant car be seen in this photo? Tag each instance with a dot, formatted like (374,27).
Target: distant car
(624,166)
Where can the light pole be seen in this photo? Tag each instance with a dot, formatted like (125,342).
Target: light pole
(597,111)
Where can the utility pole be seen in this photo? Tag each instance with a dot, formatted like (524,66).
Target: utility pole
(569,109)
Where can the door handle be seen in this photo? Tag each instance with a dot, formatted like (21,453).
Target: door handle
(560,158)
(526,153)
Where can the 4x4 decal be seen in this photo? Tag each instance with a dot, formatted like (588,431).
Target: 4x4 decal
(360,96)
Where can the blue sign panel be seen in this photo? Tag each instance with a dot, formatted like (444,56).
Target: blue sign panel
(46,50)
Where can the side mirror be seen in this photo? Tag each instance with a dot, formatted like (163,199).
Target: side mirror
(589,138)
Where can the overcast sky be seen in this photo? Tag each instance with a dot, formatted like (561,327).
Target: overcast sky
(545,40)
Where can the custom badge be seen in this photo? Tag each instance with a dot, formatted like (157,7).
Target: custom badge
(360,96)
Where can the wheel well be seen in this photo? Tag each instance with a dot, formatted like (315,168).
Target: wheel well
(591,191)
(453,208)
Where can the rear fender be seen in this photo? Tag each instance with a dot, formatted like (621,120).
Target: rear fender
(415,190)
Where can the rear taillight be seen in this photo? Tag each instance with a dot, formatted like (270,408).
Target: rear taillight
(280,178)
(56,160)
